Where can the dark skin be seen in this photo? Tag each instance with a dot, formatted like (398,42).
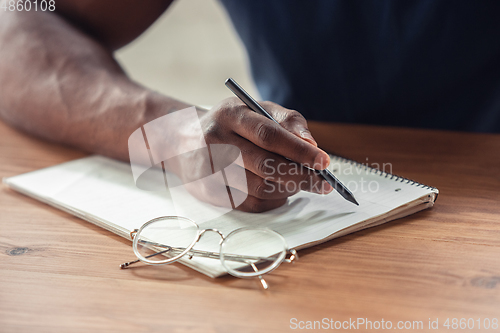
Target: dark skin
(60,82)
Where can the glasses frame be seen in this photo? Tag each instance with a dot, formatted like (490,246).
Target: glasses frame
(214,255)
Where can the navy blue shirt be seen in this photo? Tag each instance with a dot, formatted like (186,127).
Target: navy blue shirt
(428,63)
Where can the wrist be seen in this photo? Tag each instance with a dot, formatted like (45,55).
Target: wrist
(176,134)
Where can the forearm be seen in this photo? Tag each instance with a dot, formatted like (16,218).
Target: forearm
(59,84)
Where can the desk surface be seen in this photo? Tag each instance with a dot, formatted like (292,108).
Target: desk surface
(60,273)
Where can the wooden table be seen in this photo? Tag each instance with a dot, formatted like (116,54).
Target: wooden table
(60,274)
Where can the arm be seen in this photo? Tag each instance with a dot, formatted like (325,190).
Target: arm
(60,82)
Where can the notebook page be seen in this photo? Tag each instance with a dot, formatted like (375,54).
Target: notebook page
(102,191)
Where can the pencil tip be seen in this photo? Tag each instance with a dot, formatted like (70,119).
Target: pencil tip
(352,199)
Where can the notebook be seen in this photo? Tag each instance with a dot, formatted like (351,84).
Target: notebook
(102,191)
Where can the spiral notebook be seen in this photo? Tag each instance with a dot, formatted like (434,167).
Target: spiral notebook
(102,191)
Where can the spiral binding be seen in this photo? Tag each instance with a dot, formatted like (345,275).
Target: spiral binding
(383,173)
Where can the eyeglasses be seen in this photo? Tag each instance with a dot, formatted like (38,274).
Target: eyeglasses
(244,253)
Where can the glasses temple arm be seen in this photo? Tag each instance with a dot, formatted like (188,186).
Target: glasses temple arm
(126,264)
(206,254)
(191,253)
(293,257)
(262,281)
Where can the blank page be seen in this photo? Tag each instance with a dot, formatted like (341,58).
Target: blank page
(102,191)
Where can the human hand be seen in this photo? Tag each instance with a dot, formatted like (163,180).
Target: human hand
(265,148)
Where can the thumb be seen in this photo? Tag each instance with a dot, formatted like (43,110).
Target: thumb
(307,136)
(296,123)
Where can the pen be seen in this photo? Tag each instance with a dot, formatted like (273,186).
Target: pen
(254,106)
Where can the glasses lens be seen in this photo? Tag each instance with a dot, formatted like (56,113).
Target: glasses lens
(165,239)
(252,252)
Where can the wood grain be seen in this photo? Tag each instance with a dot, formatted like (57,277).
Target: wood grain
(60,274)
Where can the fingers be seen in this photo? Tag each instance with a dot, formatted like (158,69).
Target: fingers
(264,188)
(272,168)
(272,137)
(256,205)
(216,193)
(271,190)
(267,151)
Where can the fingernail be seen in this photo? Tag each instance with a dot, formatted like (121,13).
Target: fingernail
(306,135)
(321,161)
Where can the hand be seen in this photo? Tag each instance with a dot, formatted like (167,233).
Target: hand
(264,146)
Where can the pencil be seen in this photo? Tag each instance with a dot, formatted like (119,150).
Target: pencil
(256,107)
